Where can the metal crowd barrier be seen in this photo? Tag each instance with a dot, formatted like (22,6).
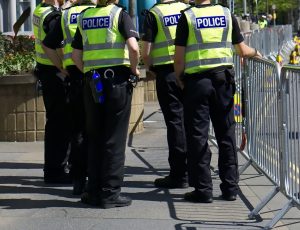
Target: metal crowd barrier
(263,128)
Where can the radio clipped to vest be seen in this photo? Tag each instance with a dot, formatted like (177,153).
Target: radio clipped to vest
(97,88)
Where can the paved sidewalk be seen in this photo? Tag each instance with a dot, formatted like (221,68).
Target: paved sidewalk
(26,203)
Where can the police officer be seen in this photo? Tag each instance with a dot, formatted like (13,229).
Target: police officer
(56,134)
(204,67)
(106,51)
(262,21)
(158,52)
(63,32)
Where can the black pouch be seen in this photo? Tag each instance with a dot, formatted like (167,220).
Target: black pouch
(229,72)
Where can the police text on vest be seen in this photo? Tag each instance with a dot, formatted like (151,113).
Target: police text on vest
(211,22)
(95,23)
(171,20)
(73,18)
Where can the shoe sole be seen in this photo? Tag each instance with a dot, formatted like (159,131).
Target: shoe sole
(107,206)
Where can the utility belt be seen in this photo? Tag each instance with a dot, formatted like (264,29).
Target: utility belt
(105,79)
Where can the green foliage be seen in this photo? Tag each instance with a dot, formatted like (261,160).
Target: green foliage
(16,55)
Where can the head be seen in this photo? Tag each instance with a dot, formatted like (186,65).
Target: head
(104,2)
(57,3)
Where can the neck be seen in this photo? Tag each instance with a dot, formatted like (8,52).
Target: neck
(202,2)
(52,2)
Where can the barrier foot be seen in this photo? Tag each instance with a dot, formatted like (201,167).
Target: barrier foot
(279,215)
(266,200)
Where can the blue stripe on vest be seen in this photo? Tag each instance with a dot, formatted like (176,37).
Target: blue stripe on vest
(171,20)
(211,22)
(73,18)
(96,23)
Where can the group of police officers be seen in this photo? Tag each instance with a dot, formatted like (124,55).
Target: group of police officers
(87,57)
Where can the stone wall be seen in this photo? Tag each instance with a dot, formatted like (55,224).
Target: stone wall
(150,88)
(22,112)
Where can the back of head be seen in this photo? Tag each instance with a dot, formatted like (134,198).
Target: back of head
(104,2)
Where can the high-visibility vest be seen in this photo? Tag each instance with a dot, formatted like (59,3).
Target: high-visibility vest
(103,44)
(69,26)
(39,15)
(262,24)
(167,16)
(209,43)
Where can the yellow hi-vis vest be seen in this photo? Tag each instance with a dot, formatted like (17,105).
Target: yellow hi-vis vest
(103,44)
(262,23)
(167,16)
(209,43)
(69,26)
(39,15)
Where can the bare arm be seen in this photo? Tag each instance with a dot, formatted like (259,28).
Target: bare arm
(77,58)
(146,49)
(245,51)
(55,58)
(179,64)
(134,55)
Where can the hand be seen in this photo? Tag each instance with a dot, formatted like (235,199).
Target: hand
(64,72)
(136,72)
(180,83)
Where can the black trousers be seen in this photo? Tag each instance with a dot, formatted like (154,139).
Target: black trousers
(76,116)
(56,128)
(170,99)
(107,127)
(211,97)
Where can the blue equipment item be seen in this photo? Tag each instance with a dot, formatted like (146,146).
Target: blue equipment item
(97,87)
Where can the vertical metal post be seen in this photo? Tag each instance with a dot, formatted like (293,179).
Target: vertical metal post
(13,14)
(132,11)
(1,16)
(245,6)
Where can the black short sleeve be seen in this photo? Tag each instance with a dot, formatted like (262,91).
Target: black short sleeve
(126,26)
(77,41)
(150,28)
(50,21)
(182,31)
(54,39)
(237,37)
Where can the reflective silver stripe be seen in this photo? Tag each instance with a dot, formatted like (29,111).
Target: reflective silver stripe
(195,47)
(165,28)
(84,37)
(67,56)
(162,59)
(164,44)
(69,38)
(110,33)
(104,46)
(42,21)
(226,30)
(198,34)
(210,61)
(41,55)
(102,62)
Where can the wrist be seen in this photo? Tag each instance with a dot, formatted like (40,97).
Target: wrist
(255,52)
